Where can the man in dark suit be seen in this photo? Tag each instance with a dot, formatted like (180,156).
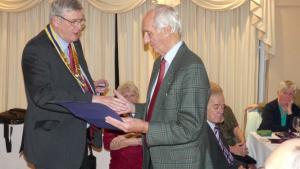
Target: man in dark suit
(54,70)
(220,152)
(173,119)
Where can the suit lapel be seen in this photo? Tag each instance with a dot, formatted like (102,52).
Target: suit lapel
(83,63)
(169,77)
(154,74)
(218,158)
(50,34)
(175,66)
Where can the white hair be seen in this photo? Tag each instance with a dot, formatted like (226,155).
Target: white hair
(167,16)
(287,84)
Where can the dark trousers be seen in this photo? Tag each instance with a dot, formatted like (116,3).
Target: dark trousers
(84,161)
(83,164)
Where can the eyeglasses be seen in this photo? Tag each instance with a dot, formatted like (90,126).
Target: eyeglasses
(75,22)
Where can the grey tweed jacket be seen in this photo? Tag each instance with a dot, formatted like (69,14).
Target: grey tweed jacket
(177,136)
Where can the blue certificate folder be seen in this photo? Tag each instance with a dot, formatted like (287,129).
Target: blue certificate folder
(93,113)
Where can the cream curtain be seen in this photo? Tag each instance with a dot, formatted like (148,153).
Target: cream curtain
(17,5)
(17,28)
(116,6)
(135,63)
(167,2)
(112,6)
(226,40)
(219,4)
(98,43)
(263,18)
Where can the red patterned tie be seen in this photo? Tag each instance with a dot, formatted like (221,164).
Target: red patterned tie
(86,87)
(156,90)
(71,59)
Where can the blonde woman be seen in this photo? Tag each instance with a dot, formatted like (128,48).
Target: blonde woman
(125,149)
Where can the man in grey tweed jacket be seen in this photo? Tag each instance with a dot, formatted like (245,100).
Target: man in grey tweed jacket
(175,137)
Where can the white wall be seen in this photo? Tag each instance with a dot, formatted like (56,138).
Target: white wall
(285,65)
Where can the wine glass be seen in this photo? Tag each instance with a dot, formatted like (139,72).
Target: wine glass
(296,125)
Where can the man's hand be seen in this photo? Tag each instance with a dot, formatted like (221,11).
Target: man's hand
(115,104)
(289,107)
(241,167)
(129,124)
(121,142)
(130,106)
(239,149)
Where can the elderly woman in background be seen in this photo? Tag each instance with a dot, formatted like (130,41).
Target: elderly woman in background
(125,149)
(279,113)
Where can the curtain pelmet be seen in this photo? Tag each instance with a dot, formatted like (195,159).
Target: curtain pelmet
(219,5)
(116,6)
(17,5)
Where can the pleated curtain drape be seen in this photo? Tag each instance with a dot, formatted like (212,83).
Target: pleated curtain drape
(224,33)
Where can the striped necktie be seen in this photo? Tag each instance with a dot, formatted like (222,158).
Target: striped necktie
(226,152)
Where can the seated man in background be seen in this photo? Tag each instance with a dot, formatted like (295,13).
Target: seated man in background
(235,138)
(278,114)
(220,151)
(125,149)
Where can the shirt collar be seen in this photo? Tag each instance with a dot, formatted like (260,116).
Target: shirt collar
(211,125)
(172,52)
(62,43)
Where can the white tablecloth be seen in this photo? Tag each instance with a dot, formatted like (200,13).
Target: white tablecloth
(260,147)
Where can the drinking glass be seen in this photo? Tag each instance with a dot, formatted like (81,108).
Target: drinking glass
(296,125)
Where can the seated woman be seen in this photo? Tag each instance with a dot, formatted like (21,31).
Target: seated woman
(235,138)
(125,149)
(278,114)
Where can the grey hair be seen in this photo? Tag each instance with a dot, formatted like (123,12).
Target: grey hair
(284,85)
(167,16)
(58,7)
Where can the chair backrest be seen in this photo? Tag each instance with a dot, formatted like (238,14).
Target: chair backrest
(252,121)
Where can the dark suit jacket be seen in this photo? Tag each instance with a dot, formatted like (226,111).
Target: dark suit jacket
(53,137)
(218,159)
(177,136)
(271,119)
